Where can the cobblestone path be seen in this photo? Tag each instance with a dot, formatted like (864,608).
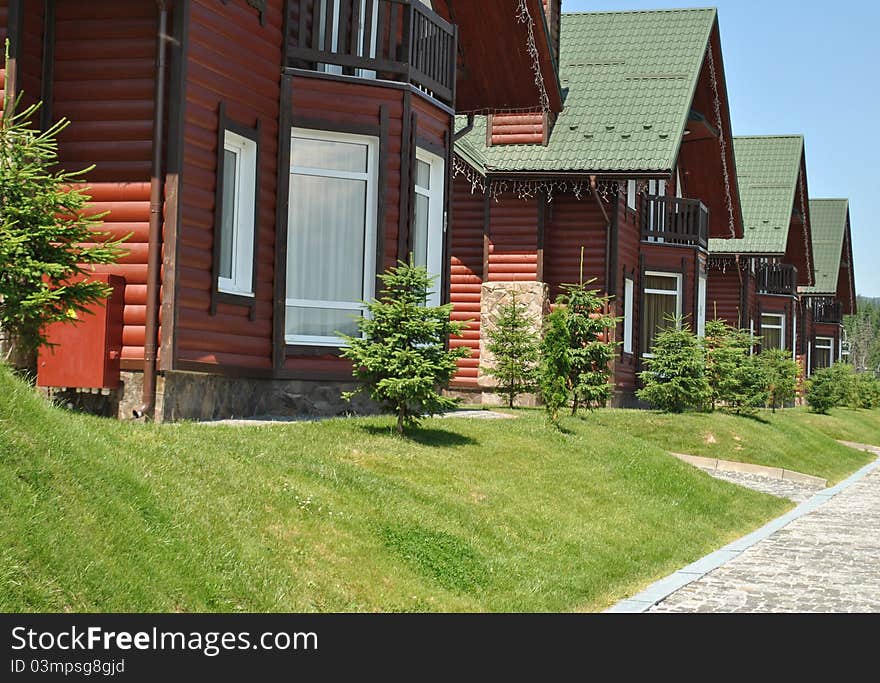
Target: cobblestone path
(826,561)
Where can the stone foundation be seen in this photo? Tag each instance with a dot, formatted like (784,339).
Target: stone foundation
(202,396)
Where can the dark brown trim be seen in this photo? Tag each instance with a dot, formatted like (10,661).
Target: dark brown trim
(281,210)
(14,34)
(637,322)
(309,123)
(174,182)
(301,350)
(542,227)
(614,256)
(446,273)
(407,154)
(224,370)
(384,158)
(47,84)
(224,123)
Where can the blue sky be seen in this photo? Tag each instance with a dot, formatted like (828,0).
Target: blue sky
(812,68)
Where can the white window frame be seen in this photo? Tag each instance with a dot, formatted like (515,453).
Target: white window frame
(243,222)
(665,292)
(823,347)
(794,332)
(436,223)
(629,287)
(702,294)
(780,327)
(371,176)
(631,194)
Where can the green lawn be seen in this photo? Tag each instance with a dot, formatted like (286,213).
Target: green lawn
(339,515)
(793,439)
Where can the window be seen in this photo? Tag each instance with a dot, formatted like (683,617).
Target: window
(823,352)
(237,215)
(628,289)
(772,331)
(679,190)
(427,239)
(331,243)
(662,306)
(631,194)
(701,306)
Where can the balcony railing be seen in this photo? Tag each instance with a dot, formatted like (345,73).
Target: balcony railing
(398,40)
(777,278)
(827,311)
(671,220)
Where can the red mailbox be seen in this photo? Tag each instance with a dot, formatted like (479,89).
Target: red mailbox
(86,353)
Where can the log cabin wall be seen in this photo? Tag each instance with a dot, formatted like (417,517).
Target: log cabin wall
(513,239)
(226,336)
(104,70)
(4,33)
(724,300)
(627,238)
(467,238)
(30,54)
(571,224)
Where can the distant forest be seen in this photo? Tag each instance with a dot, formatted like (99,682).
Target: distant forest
(863,333)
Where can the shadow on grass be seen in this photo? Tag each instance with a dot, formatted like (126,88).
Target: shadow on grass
(437,438)
(752,417)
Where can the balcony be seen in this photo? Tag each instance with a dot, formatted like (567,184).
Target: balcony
(397,40)
(671,220)
(777,278)
(827,311)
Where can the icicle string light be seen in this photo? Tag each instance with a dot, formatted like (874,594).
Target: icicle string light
(529,189)
(722,141)
(805,225)
(525,17)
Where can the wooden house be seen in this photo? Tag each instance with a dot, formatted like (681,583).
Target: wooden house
(834,293)
(638,171)
(267,158)
(753,281)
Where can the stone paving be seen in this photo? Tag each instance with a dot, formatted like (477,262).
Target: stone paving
(825,561)
(783,488)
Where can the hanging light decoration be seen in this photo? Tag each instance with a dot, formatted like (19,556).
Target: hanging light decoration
(722,141)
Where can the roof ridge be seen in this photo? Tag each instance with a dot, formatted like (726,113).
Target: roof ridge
(665,10)
(789,136)
(829,199)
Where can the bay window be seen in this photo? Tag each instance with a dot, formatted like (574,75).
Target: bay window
(662,307)
(427,239)
(772,331)
(332,233)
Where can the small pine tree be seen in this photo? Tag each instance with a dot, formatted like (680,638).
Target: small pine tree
(516,350)
(675,378)
(831,388)
(401,357)
(555,366)
(46,241)
(736,380)
(781,374)
(589,353)
(867,391)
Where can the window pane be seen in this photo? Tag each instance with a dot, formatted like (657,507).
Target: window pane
(420,231)
(658,308)
(823,358)
(321,322)
(227,224)
(772,338)
(669,284)
(423,174)
(333,156)
(325,251)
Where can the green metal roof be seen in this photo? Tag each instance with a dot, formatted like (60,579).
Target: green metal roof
(767,168)
(629,79)
(828,221)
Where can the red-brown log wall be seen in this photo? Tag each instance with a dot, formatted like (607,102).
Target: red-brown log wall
(572,224)
(724,297)
(466,273)
(513,239)
(30,62)
(628,250)
(249,85)
(104,80)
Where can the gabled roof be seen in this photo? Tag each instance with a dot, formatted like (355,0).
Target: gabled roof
(828,217)
(629,79)
(768,168)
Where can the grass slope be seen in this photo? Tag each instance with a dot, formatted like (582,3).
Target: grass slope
(339,515)
(793,439)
